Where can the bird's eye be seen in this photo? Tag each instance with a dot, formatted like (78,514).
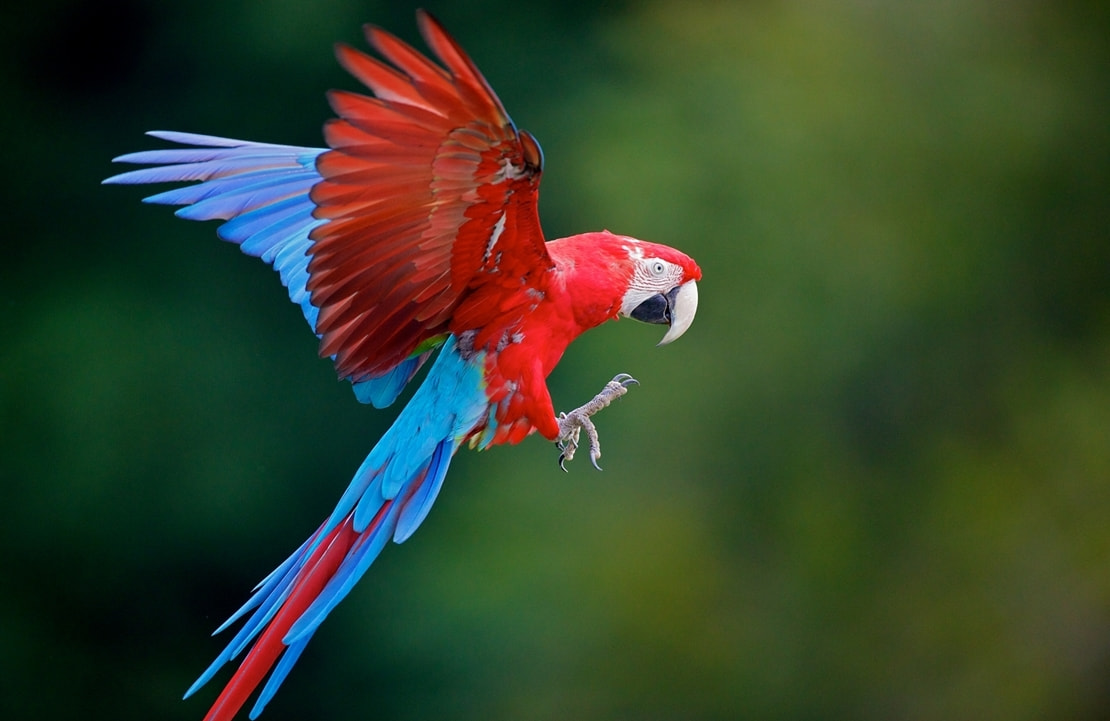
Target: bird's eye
(658,269)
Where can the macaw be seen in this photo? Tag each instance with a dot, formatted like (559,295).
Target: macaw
(416,230)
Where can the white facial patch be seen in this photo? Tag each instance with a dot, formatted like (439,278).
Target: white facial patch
(651,276)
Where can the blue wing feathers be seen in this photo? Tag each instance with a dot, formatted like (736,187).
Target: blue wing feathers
(215,141)
(261,191)
(276,220)
(240,196)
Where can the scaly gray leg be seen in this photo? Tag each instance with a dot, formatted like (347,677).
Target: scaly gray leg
(571,424)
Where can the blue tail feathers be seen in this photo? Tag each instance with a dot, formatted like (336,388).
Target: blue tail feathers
(388,498)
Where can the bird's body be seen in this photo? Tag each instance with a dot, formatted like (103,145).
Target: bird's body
(416,231)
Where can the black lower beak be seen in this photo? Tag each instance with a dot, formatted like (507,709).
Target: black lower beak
(656,309)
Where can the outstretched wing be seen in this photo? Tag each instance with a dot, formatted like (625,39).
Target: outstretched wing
(260,189)
(429,193)
(419,221)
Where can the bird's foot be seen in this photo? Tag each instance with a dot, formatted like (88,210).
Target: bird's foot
(572,424)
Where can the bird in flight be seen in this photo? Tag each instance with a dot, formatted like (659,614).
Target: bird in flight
(414,233)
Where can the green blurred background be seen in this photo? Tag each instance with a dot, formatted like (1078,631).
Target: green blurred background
(872,482)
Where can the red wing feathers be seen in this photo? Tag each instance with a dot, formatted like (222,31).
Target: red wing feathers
(430,192)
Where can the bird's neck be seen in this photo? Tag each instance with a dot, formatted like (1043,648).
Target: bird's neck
(590,277)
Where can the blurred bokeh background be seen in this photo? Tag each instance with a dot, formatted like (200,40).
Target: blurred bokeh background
(872,482)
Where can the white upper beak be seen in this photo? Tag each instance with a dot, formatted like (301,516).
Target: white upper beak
(683,310)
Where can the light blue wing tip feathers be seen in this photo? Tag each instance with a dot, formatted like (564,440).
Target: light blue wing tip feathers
(260,189)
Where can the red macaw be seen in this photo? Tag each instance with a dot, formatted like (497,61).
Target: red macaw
(416,230)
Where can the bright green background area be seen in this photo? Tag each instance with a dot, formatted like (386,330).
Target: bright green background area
(872,482)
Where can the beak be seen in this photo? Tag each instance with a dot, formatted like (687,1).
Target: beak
(677,309)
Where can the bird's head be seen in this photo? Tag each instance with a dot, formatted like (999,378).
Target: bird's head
(663,288)
(611,276)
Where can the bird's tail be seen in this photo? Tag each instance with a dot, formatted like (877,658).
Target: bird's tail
(388,498)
